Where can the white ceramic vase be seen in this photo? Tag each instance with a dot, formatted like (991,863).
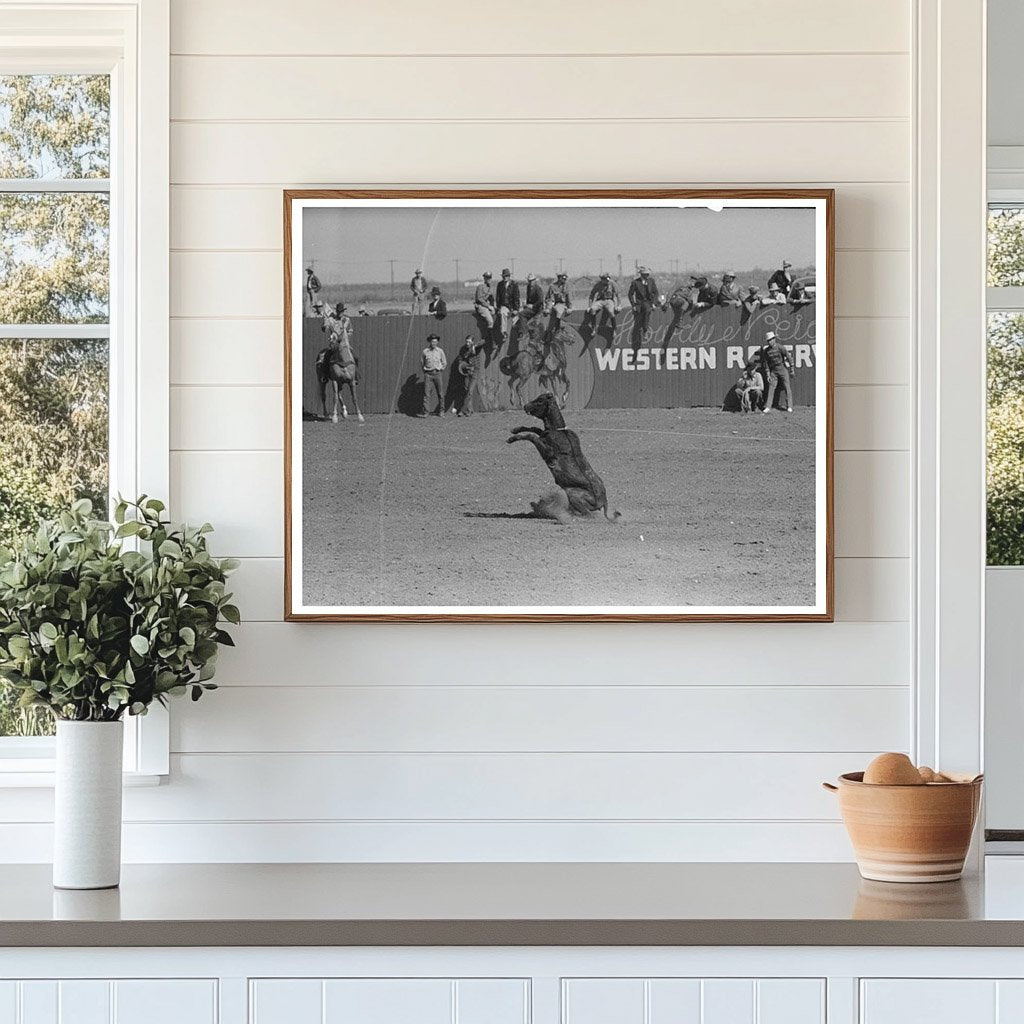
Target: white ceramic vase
(87,806)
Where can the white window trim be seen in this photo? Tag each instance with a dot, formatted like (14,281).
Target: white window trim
(949,444)
(1006,188)
(130,40)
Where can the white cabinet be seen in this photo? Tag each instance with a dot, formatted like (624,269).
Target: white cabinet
(507,1001)
(512,985)
(95,1001)
(693,1001)
(942,1001)
(389,1001)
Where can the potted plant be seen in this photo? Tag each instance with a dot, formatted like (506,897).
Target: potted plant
(99,620)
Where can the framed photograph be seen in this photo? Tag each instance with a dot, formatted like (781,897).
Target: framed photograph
(558,405)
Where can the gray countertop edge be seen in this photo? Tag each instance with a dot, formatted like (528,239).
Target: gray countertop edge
(53,934)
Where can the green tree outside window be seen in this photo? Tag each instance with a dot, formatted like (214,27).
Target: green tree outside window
(54,270)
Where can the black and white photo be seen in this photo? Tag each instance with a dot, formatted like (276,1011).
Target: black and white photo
(559,405)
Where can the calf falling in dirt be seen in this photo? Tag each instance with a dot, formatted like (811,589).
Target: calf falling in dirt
(580,490)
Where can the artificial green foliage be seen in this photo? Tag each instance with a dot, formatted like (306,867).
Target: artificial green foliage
(91,630)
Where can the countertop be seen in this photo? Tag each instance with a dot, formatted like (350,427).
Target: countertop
(559,904)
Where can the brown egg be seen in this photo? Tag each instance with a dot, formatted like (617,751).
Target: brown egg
(893,770)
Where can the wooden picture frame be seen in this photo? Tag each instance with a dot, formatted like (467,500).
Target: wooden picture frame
(334,553)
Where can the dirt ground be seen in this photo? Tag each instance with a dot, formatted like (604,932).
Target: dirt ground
(717,510)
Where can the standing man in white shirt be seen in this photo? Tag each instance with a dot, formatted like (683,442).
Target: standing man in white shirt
(434,364)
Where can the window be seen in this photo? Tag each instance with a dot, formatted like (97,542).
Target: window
(84,124)
(1005,477)
(54,308)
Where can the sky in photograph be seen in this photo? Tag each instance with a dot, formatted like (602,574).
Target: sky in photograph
(347,245)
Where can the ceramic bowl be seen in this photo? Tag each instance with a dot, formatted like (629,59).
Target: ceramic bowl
(909,833)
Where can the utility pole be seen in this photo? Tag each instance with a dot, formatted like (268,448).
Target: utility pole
(392,262)
(620,266)
(456,273)
(512,266)
(561,260)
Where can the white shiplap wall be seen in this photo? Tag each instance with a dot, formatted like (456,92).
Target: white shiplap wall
(521,742)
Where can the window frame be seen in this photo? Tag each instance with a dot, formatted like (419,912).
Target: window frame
(1002,299)
(130,41)
(1002,710)
(948,404)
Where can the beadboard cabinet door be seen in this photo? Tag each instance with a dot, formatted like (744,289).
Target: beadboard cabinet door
(388,1001)
(935,1001)
(693,1001)
(101,1001)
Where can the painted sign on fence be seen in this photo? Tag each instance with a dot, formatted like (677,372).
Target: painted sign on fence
(693,360)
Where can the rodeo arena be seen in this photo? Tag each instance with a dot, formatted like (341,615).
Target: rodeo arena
(645,439)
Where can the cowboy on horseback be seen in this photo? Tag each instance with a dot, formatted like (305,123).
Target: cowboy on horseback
(336,325)
(337,365)
(543,355)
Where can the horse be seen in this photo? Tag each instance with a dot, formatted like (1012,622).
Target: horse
(337,366)
(580,490)
(543,355)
